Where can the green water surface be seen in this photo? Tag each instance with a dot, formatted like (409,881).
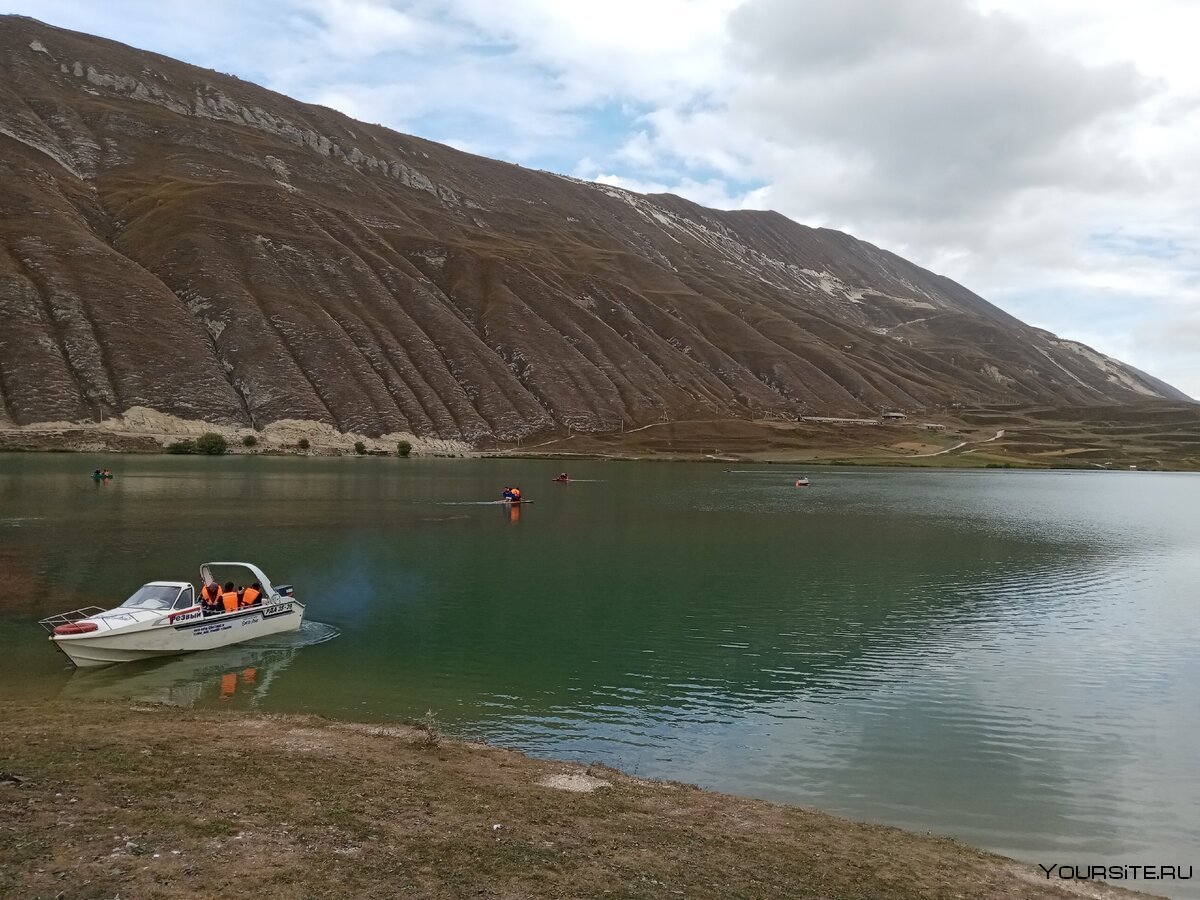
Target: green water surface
(1006,657)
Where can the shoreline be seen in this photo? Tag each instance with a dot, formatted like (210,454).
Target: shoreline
(957,445)
(147,800)
(1156,438)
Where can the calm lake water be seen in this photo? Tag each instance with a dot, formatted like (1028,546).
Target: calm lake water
(1006,657)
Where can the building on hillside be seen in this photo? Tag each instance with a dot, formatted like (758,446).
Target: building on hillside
(893,417)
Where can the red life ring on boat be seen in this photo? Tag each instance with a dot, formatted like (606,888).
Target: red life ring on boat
(76,628)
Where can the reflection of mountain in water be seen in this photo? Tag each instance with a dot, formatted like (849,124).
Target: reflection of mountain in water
(242,673)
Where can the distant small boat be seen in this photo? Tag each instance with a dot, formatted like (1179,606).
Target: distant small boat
(802,481)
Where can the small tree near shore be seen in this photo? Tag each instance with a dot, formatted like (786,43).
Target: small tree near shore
(249,441)
(302,443)
(211,443)
(404,448)
(360,448)
(183,447)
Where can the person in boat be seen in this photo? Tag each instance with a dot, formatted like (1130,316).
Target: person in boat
(229,598)
(515,495)
(210,599)
(563,477)
(508,493)
(252,595)
(96,474)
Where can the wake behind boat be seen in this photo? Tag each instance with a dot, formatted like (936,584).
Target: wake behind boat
(163,618)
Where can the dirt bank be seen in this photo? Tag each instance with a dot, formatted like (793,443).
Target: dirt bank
(147,801)
(142,430)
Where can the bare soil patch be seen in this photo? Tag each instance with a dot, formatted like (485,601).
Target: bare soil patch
(144,430)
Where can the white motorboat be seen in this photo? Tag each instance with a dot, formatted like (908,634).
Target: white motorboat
(163,618)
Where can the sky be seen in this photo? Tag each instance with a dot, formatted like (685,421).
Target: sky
(1043,153)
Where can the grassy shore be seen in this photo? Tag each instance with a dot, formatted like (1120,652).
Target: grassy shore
(1153,435)
(146,801)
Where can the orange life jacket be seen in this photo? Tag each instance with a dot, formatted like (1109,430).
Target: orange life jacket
(208,593)
(229,601)
(250,595)
(516,492)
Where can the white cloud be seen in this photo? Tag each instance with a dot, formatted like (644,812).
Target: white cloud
(649,51)
(363,28)
(975,143)
(712,193)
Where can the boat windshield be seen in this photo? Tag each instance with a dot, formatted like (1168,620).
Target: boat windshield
(152,596)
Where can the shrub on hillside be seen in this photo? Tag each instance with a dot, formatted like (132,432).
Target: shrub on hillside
(360,448)
(182,447)
(302,443)
(211,443)
(249,441)
(404,448)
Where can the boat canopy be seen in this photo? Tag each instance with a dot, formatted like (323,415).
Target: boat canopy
(206,576)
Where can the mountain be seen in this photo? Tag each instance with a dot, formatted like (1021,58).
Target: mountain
(179,239)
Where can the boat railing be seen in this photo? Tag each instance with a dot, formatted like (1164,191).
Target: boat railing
(52,622)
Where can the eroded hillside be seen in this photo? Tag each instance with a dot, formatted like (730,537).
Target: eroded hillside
(182,240)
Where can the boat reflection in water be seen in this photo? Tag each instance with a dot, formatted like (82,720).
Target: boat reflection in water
(240,674)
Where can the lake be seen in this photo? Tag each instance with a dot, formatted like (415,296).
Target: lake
(1007,657)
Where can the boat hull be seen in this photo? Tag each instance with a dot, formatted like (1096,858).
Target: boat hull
(169,638)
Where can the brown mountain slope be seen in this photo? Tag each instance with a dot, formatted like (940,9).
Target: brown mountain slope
(183,240)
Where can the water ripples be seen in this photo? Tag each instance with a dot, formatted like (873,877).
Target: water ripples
(1000,706)
(309,634)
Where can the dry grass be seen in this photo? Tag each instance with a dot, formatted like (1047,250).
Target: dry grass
(167,803)
(1162,435)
